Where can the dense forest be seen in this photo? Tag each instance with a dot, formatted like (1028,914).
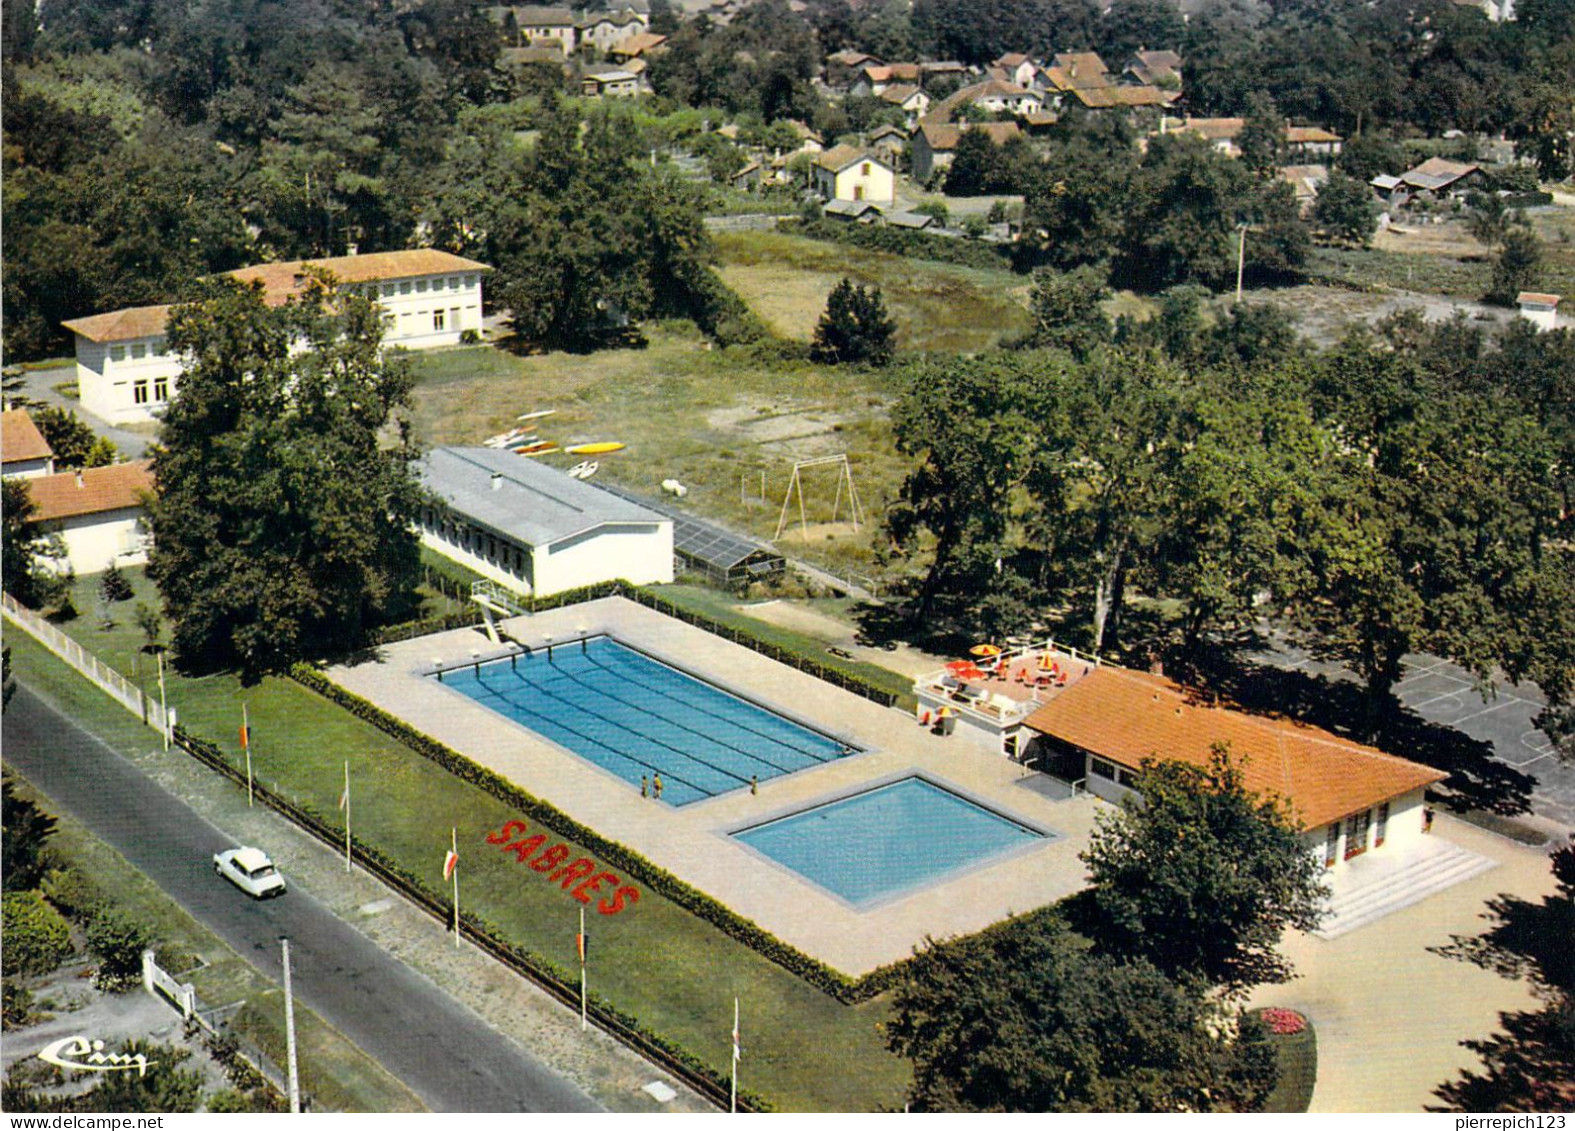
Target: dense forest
(150,141)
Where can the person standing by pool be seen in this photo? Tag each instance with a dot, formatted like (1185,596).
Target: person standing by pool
(754,785)
(645,788)
(656,784)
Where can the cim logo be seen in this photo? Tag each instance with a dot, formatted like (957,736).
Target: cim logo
(89,1056)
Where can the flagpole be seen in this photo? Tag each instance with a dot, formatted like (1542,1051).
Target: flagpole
(732,1101)
(246,745)
(582,970)
(454,842)
(347,814)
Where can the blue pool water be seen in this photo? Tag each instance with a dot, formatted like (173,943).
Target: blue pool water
(633,715)
(888,840)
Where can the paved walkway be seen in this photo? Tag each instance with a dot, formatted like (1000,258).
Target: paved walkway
(1389,1014)
(694,843)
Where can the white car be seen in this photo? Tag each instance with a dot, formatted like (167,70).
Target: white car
(250,870)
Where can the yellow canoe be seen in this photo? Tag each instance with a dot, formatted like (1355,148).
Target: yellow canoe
(595,449)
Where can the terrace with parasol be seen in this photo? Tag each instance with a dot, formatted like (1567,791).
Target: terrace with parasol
(986,696)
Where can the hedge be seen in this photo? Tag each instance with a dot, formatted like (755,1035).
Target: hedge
(905,242)
(543,972)
(796,962)
(36,937)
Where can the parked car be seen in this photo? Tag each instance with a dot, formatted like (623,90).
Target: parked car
(250,870)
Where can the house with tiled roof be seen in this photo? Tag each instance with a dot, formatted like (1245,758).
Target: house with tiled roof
(846,172)
(636,46)
(935,143)
(912,101)
(127,373)
(24,453)
(1348,798)
(99,513)
(1154,68)
(992,95)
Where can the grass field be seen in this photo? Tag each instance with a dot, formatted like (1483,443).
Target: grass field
(672,970)
(713,419)
(335,1072)
(937,307)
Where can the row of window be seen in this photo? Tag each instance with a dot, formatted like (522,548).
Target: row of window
(414,320)
(139,350)
(160,391)
(493,550)
(1112,772)
(420,286)
(1356,828)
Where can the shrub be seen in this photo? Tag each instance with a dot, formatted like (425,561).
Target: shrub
(113,586)
(71,892)
(36,937)
(1283,1022)
(118,941)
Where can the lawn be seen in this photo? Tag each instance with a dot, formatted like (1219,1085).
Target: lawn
(658,962)
(937,307)
(334,1071)
(715,420)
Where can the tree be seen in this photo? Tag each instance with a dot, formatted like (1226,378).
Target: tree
(282,527)
(1262,139)
(117,941)
(71,440)
(973,168)
(1201,877)
(1529,1065)
(1345,210)
(1516,268)
(24,828)
(1067,310)
(1026,1018)
(1181,221)
(855,328)
(28,550)
(113,586)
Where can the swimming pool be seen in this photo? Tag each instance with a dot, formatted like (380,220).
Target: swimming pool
(887,840)
(633,715)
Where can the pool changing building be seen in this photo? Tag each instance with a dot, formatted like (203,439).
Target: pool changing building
(534,530)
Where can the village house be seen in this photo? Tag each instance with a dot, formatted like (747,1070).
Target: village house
(1541,310)
(99,513)
(609,82)
(994,96)
(538,26)
(604,32)
(640,46)
(935,144)
(889,141)
(912,101)
(1154,68)
(126,371)
(843,68)
(1306,182)
(24,453)
(1017,68)
(1437,178)
(534,530)
(846,172)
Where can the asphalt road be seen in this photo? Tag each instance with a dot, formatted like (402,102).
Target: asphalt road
(445,1053)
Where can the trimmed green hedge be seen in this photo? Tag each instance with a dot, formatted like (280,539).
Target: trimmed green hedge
(816,973)
(36,938)
(562,985)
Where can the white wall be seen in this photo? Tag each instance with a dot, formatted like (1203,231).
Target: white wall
(28,468)
(1404,827)
(641,553)
(876,181)
(111,377)
(93,541)
(119,386)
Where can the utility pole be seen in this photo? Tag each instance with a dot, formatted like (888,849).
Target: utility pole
(164,710)
(1241,259)
(289,1031)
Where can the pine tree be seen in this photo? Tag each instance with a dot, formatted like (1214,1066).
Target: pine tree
(1516,268)
(855,329)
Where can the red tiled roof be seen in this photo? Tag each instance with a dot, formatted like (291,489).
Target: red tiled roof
(839,157)
(1125,716)
(1309,135)
(1536,297)
(95,491)
(121,325)
(20,438)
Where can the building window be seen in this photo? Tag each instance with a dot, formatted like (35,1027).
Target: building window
(161,389)
(438,321)
(1356,833)
(1101,768)
(453,282)
(421,286)
(470,280)
(388,290)
(139,351)
(404,287)
(453,317)
(160,347)
(139,393)
(866,170)
(1331,845)
(1382,828)
(117,353)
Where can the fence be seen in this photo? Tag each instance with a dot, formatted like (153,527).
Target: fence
(100,674)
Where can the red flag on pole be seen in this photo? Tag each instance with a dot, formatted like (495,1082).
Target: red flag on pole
(737,1051)
(246,737)
(580,943)
(450,862)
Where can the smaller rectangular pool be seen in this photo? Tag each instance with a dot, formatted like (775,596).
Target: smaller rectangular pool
(887,840)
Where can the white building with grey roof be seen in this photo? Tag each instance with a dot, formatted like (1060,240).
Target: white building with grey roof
(533,529)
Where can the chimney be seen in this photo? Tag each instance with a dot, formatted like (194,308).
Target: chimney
(497,480)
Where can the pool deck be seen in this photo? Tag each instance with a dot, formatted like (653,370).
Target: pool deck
(692,842)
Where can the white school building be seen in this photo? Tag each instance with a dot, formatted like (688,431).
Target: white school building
(126,372)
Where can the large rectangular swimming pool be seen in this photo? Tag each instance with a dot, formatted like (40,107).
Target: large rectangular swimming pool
(888,840)
(635,716)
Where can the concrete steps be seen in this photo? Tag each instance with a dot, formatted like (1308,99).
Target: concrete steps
(1362,899)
